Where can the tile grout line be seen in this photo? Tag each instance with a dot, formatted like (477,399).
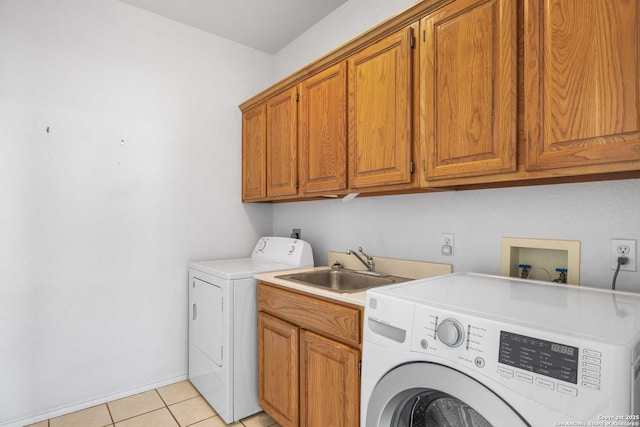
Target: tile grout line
(165,405)
(140,414)
(113,423)
(168,409)
(192,424)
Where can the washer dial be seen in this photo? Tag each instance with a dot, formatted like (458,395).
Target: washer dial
(450,332)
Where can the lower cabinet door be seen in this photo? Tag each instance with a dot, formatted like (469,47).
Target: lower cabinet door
(278,367)
(329,382)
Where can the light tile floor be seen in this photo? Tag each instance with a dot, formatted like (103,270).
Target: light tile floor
(175,405)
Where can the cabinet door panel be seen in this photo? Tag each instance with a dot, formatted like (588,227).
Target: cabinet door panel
(329,380)
(468,81)
(582,90)
(254,153)
(380,113)
(282,159)
(323,131)
(278,352)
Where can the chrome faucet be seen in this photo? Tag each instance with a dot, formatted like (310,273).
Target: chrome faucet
(369,263)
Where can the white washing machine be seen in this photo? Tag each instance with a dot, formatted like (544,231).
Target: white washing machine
(476,350)
(223,323)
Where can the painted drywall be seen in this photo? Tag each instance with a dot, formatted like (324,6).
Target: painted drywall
(343,24)
(119,163)
(409,226)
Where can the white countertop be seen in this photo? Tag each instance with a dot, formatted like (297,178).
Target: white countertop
(357,298)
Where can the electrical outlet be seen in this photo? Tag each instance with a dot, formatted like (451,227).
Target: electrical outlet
(296,233)
(446,244)
(446,238)
(620,247)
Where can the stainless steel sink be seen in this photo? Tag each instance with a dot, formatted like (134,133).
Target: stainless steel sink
(343,281)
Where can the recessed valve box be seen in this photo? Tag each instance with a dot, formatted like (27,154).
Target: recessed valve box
(541,259)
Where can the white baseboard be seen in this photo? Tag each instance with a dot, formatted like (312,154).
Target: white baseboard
(67,409)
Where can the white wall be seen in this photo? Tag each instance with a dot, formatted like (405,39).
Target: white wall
(343,24)
(409,226)
(96,234)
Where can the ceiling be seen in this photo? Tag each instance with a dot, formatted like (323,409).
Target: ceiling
(266,25)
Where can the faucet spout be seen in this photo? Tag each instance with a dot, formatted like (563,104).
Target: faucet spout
(369,263)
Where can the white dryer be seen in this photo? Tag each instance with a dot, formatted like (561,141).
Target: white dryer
(223,323)
(476,350)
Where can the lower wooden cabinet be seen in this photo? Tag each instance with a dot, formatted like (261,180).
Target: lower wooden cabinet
(308,370)
(278,369)
(328,380)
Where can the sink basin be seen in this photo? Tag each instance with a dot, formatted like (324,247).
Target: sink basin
(343,281)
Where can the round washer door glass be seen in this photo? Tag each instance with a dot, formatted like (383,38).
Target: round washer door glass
(433,408)
(431,395)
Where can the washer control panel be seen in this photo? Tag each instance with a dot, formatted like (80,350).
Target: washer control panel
(556,370)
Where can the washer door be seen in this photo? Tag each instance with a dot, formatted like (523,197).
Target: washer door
(432,395)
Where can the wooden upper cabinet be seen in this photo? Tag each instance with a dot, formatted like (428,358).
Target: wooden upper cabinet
(282,171)
(468,83)
(379,94)
(254,153)
(323,131)
(581,84)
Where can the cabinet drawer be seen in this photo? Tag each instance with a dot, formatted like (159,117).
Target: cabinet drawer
(314,314)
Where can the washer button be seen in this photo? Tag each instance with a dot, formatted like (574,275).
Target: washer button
(590,380)
(524,377)
(592,386)
(589,373)
(479,362)
(592,360)
(507,373)
(592,353)
(567,390)
(424,344)
(590,366)
(545,383)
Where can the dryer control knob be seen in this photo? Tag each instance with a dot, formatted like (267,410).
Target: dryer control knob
(450,332)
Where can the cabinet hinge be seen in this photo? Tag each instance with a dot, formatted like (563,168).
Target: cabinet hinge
(412,167)
(412,42)
(424,36)
(360,367)
(297,97)
(297,183)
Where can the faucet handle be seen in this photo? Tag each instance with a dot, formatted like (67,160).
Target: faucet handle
(367,256)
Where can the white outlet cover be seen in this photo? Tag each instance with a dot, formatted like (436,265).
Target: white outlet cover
(446,239)
(631,265)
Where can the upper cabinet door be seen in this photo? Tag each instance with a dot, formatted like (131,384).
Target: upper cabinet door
(468,83)
(282,172)
(254,153)
(323,131)
(380,113)
(581,84)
